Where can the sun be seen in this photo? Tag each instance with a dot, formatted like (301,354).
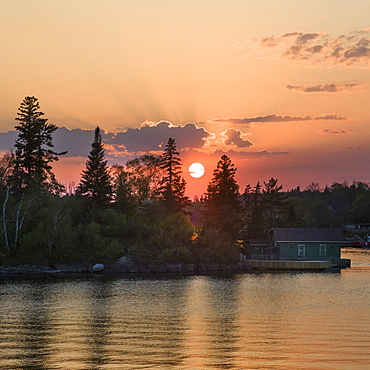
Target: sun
(196,170)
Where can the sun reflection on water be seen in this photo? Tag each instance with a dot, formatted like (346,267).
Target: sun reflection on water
(249,321)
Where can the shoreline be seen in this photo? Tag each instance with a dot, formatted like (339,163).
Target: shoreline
(120,269)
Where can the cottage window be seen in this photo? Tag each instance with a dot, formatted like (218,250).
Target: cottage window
(301,250)
(322,251)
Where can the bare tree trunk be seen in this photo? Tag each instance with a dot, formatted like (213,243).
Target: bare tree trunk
(20,219)
(5,228)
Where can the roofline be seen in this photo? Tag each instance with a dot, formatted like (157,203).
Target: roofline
(311,241)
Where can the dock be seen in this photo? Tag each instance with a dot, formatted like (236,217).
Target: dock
(288,265)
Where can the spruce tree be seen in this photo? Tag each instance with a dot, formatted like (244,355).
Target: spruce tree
(223,209)
(173,185)
(95,182)
(32,158)
(223,189)
(273,201)
(255,219)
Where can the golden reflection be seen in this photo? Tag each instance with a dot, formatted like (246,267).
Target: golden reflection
(250,321)
(262,320)
(211,331)
(25,336)
(99,308)
(70,319)
(147,323)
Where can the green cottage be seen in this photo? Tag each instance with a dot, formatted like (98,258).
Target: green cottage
(300,245)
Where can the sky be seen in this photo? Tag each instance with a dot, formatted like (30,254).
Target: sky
(280,86)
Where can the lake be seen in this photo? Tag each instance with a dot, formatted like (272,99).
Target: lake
(242,321)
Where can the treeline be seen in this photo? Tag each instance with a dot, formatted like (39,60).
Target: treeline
(267,206)
(141,210)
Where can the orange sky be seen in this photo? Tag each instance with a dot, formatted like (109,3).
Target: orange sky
(281,86)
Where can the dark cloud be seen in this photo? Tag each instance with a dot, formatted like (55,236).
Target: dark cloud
(247,155)
(336,132)
(148,138)
(304,38)
(352,50)
(262,119)
(153,137)
(358,50)
(330,117)
(275,118)
(7,140)
(325,88)
(77,141)
(234,137)
(270,42)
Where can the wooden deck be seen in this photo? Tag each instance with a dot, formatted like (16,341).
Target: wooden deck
(288,265)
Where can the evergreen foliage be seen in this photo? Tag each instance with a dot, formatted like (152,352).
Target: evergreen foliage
(223,214)
(223,189)
(124,197)
(31,164)
(173,185)
(95,182)
(265,207)
(255,222)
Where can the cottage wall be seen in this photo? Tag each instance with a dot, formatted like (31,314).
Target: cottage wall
(289,251)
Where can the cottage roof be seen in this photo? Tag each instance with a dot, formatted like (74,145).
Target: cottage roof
(259,242)
(296,234)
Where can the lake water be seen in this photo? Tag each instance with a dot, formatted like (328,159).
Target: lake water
(244,321)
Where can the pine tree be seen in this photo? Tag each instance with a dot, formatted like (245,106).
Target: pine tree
(32,169)
(95,183)
(223,189)
(256,222)
(173,185)
(273,202)
(222,203)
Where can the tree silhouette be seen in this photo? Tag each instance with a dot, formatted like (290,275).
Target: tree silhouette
(223,209)
(223,189)
(95,182)
(255,220)
(33,155)
(273,202)
(173,185)
(145,174)
(6,168)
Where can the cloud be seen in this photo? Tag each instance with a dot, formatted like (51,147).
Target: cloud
(330,117)
(7,140)
(326,88)
(150,137)
(77,141)
(227,140)
(249,155)
(352,50)
(235,137)
(357,148)
(273,118)
(336,132)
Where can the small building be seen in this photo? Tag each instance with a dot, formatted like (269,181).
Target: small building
(299,244)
